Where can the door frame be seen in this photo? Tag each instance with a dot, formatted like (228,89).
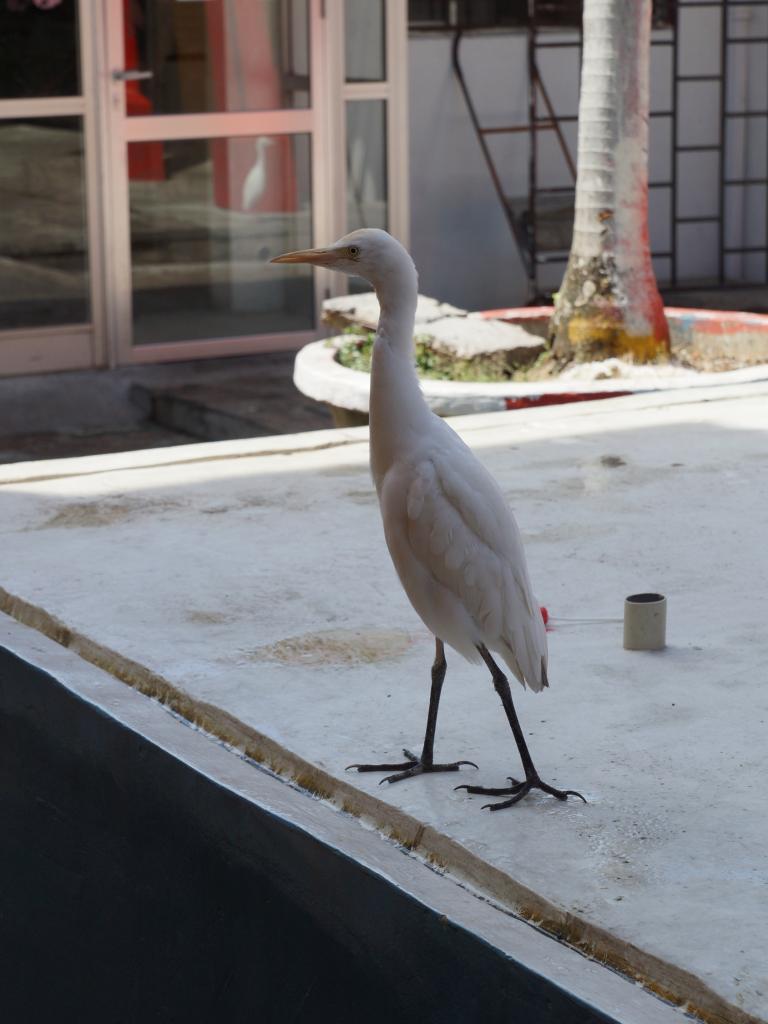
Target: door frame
(106,339)
(79,345)
(323,121)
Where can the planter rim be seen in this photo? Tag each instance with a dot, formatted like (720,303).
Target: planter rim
(673,313)
(318,375)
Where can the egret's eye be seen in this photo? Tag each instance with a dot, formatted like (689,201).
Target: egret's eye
(354,251)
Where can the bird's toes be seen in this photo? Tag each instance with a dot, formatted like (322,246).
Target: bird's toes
(381,767)
(561,794)
(523,791)
(573,792)
(414,769)
(452,767)
(493,790)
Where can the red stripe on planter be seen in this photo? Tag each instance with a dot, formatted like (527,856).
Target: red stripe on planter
(562,398)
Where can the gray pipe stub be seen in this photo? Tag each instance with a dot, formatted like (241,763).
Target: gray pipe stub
(645,622)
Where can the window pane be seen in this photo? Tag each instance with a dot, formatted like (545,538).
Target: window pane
(698,246)
(699,44)
(364,40)
(746,85)
(222,55)
(206,217)
(43,252)
(366,164)
(38,50)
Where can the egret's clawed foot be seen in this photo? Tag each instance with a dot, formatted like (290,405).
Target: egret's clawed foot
(517,790)
(407,769)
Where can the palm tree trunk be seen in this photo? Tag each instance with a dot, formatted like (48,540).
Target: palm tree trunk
(609,303)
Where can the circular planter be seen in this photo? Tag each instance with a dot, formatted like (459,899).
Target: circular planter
(709,334)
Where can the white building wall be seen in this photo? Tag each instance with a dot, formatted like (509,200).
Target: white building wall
(459,235)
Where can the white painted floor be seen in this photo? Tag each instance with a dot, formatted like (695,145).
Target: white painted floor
(253,576)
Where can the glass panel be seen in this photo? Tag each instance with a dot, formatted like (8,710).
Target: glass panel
(747,83)
(699,42)
(660,219)
(206,217)
(745,216)
(661,77)
(364,40)
(662,268)
(745,21)
(221,55)
(746,268)
(366,164)
(746,147)
(660,149)
(698,248)
(698,114)
(43,250)
(698,176)
(38,49)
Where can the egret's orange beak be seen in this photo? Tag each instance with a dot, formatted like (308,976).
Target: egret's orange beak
(318,257)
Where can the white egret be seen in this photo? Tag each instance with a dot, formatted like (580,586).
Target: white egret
(452,537)
(256,179)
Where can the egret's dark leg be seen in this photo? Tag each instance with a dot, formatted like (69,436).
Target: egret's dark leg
(518,789)
(418,765)
(439,668)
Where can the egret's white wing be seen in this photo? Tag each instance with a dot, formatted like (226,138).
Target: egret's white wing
(461,531)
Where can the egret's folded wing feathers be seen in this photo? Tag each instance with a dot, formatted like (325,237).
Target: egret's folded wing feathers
(480,515)
(463,534)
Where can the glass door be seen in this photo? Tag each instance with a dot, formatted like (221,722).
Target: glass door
(48,227)
(241,129)
(215,167)
(154,154)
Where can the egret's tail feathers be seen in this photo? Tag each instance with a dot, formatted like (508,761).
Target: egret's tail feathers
(537,680)
(531,674)
(507,652)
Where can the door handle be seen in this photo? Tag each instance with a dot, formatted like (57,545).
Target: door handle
(131,76)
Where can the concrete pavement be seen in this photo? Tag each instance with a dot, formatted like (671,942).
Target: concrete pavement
(246,584)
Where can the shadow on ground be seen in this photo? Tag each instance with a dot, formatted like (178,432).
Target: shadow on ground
(94,412)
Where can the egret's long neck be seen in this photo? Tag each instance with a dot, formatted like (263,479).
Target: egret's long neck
(397,295)
(397,408)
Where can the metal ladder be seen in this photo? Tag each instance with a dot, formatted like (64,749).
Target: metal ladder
(541,222)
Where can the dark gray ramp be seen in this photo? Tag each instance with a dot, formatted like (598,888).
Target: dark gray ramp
(142,882)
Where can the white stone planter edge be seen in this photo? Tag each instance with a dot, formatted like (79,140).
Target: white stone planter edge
(318,375)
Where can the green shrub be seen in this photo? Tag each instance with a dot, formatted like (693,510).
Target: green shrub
(356,353)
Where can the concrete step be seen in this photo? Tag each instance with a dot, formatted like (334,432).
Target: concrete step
(50,416)
(54,445)
(240,407)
